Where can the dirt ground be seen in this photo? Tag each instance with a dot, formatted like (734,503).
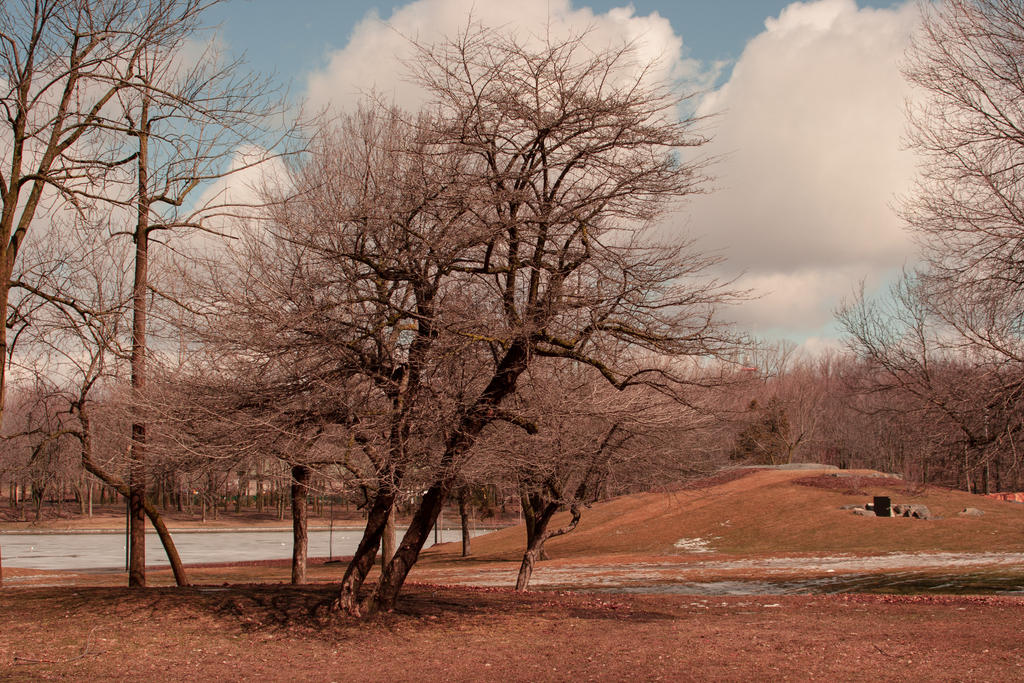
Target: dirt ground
(243,621)
(277,632)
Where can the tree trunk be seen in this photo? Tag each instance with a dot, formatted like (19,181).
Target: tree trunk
(6,270)
(259,486)
(140,290)
(387,540)
(526,567)
(469,426)
(464,521)
(180,578)
(300,536)
(394,574)
(376,523)
(531,508)
(536,534)
(238,499)
(37,500)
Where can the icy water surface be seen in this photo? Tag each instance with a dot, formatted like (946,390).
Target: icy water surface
(107,550)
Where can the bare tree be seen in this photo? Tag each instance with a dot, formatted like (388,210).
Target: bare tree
(966,210)
(591,441)
(971,401)
(187,119)
(425,263)
(566,155)
(946,352)
(63,64)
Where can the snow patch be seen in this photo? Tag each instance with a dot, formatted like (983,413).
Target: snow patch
(694,545)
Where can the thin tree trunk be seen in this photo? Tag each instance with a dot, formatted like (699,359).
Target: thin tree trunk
(259,486)
(6,270)
(180,577)
(140,289)
(238,499)
(526,567)
(544,512)
(539,516)
(300,535)
(387,539)
(464,520)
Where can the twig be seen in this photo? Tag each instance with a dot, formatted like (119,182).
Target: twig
(82,655)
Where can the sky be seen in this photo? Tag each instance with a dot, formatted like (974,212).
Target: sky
(807,108)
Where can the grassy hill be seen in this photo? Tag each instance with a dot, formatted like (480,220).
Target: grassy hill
(772,511)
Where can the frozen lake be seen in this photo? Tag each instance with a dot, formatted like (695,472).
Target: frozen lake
(89,550)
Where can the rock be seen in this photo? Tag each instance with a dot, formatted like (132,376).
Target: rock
(851,506)
(862,512)
(909,510)
(971,512)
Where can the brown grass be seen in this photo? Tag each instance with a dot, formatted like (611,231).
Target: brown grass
(286,633)
(770,511)
(226,629)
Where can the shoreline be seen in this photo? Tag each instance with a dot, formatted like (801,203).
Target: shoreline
(211,530)
(173,530)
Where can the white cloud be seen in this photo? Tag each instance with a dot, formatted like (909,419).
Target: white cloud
(808,129)
(233,200)
(788,300)
(810,126)
(373,60)
(819,346)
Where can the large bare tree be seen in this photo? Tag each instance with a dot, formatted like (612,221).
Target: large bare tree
(425,262)
(566,156)
(63,64)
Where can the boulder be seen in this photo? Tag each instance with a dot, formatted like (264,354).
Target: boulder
(920,512)
(971,512)
(910,510)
